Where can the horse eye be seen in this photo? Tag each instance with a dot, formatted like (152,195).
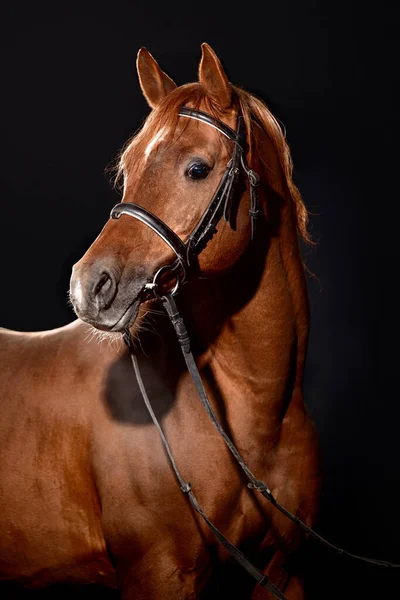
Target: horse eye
(198,170)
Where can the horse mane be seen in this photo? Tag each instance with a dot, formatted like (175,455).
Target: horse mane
(166,115)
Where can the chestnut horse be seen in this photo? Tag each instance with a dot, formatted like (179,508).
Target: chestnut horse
(87,494)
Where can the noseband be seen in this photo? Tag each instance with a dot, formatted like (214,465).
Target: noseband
(219,206)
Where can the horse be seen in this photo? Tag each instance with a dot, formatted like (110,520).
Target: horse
(87,492)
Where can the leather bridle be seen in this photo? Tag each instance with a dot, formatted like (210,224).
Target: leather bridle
(220,206)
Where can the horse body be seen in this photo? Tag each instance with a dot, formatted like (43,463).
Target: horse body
(86,491)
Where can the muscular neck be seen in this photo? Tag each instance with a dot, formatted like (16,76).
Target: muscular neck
(252,326)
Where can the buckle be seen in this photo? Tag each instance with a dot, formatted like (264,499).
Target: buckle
(254,178)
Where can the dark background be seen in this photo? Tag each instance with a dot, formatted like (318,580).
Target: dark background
(70,99)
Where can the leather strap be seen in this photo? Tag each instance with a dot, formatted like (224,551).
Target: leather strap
(158,226)
(254,483)
(204,117)
(186,487)
(207,226)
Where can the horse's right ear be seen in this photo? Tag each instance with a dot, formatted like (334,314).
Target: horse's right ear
(154,82)
(213,78)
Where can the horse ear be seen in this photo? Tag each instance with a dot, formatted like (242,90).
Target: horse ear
(213,78)
(154,82)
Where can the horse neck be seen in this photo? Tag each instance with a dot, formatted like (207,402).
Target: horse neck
(252,324)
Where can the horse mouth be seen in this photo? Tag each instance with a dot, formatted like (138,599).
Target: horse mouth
(130,314)
(144,298)
(128,318)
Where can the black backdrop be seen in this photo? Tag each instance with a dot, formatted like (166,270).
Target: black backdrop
(70,99)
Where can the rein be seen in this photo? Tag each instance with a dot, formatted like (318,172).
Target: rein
(220,206)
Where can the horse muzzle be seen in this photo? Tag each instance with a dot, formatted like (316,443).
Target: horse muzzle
(100,297)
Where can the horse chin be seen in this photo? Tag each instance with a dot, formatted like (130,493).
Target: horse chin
(126,320)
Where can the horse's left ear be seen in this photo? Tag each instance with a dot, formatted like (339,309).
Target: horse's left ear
(213,78)
(154,82)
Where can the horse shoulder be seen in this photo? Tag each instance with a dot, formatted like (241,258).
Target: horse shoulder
(49,397)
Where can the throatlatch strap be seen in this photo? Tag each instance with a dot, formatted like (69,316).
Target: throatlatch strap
(185,486)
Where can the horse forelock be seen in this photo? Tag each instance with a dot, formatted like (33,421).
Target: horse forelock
(165,118)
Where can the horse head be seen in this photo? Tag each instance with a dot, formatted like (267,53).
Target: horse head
(173,168)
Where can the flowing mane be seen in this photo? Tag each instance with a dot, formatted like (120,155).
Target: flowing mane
(166,115)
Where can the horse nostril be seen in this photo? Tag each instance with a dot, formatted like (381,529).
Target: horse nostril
(102,284)
(104,290)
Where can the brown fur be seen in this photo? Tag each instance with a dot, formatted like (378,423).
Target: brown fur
(86,491)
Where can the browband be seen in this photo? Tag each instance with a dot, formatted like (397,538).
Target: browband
(199,115)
